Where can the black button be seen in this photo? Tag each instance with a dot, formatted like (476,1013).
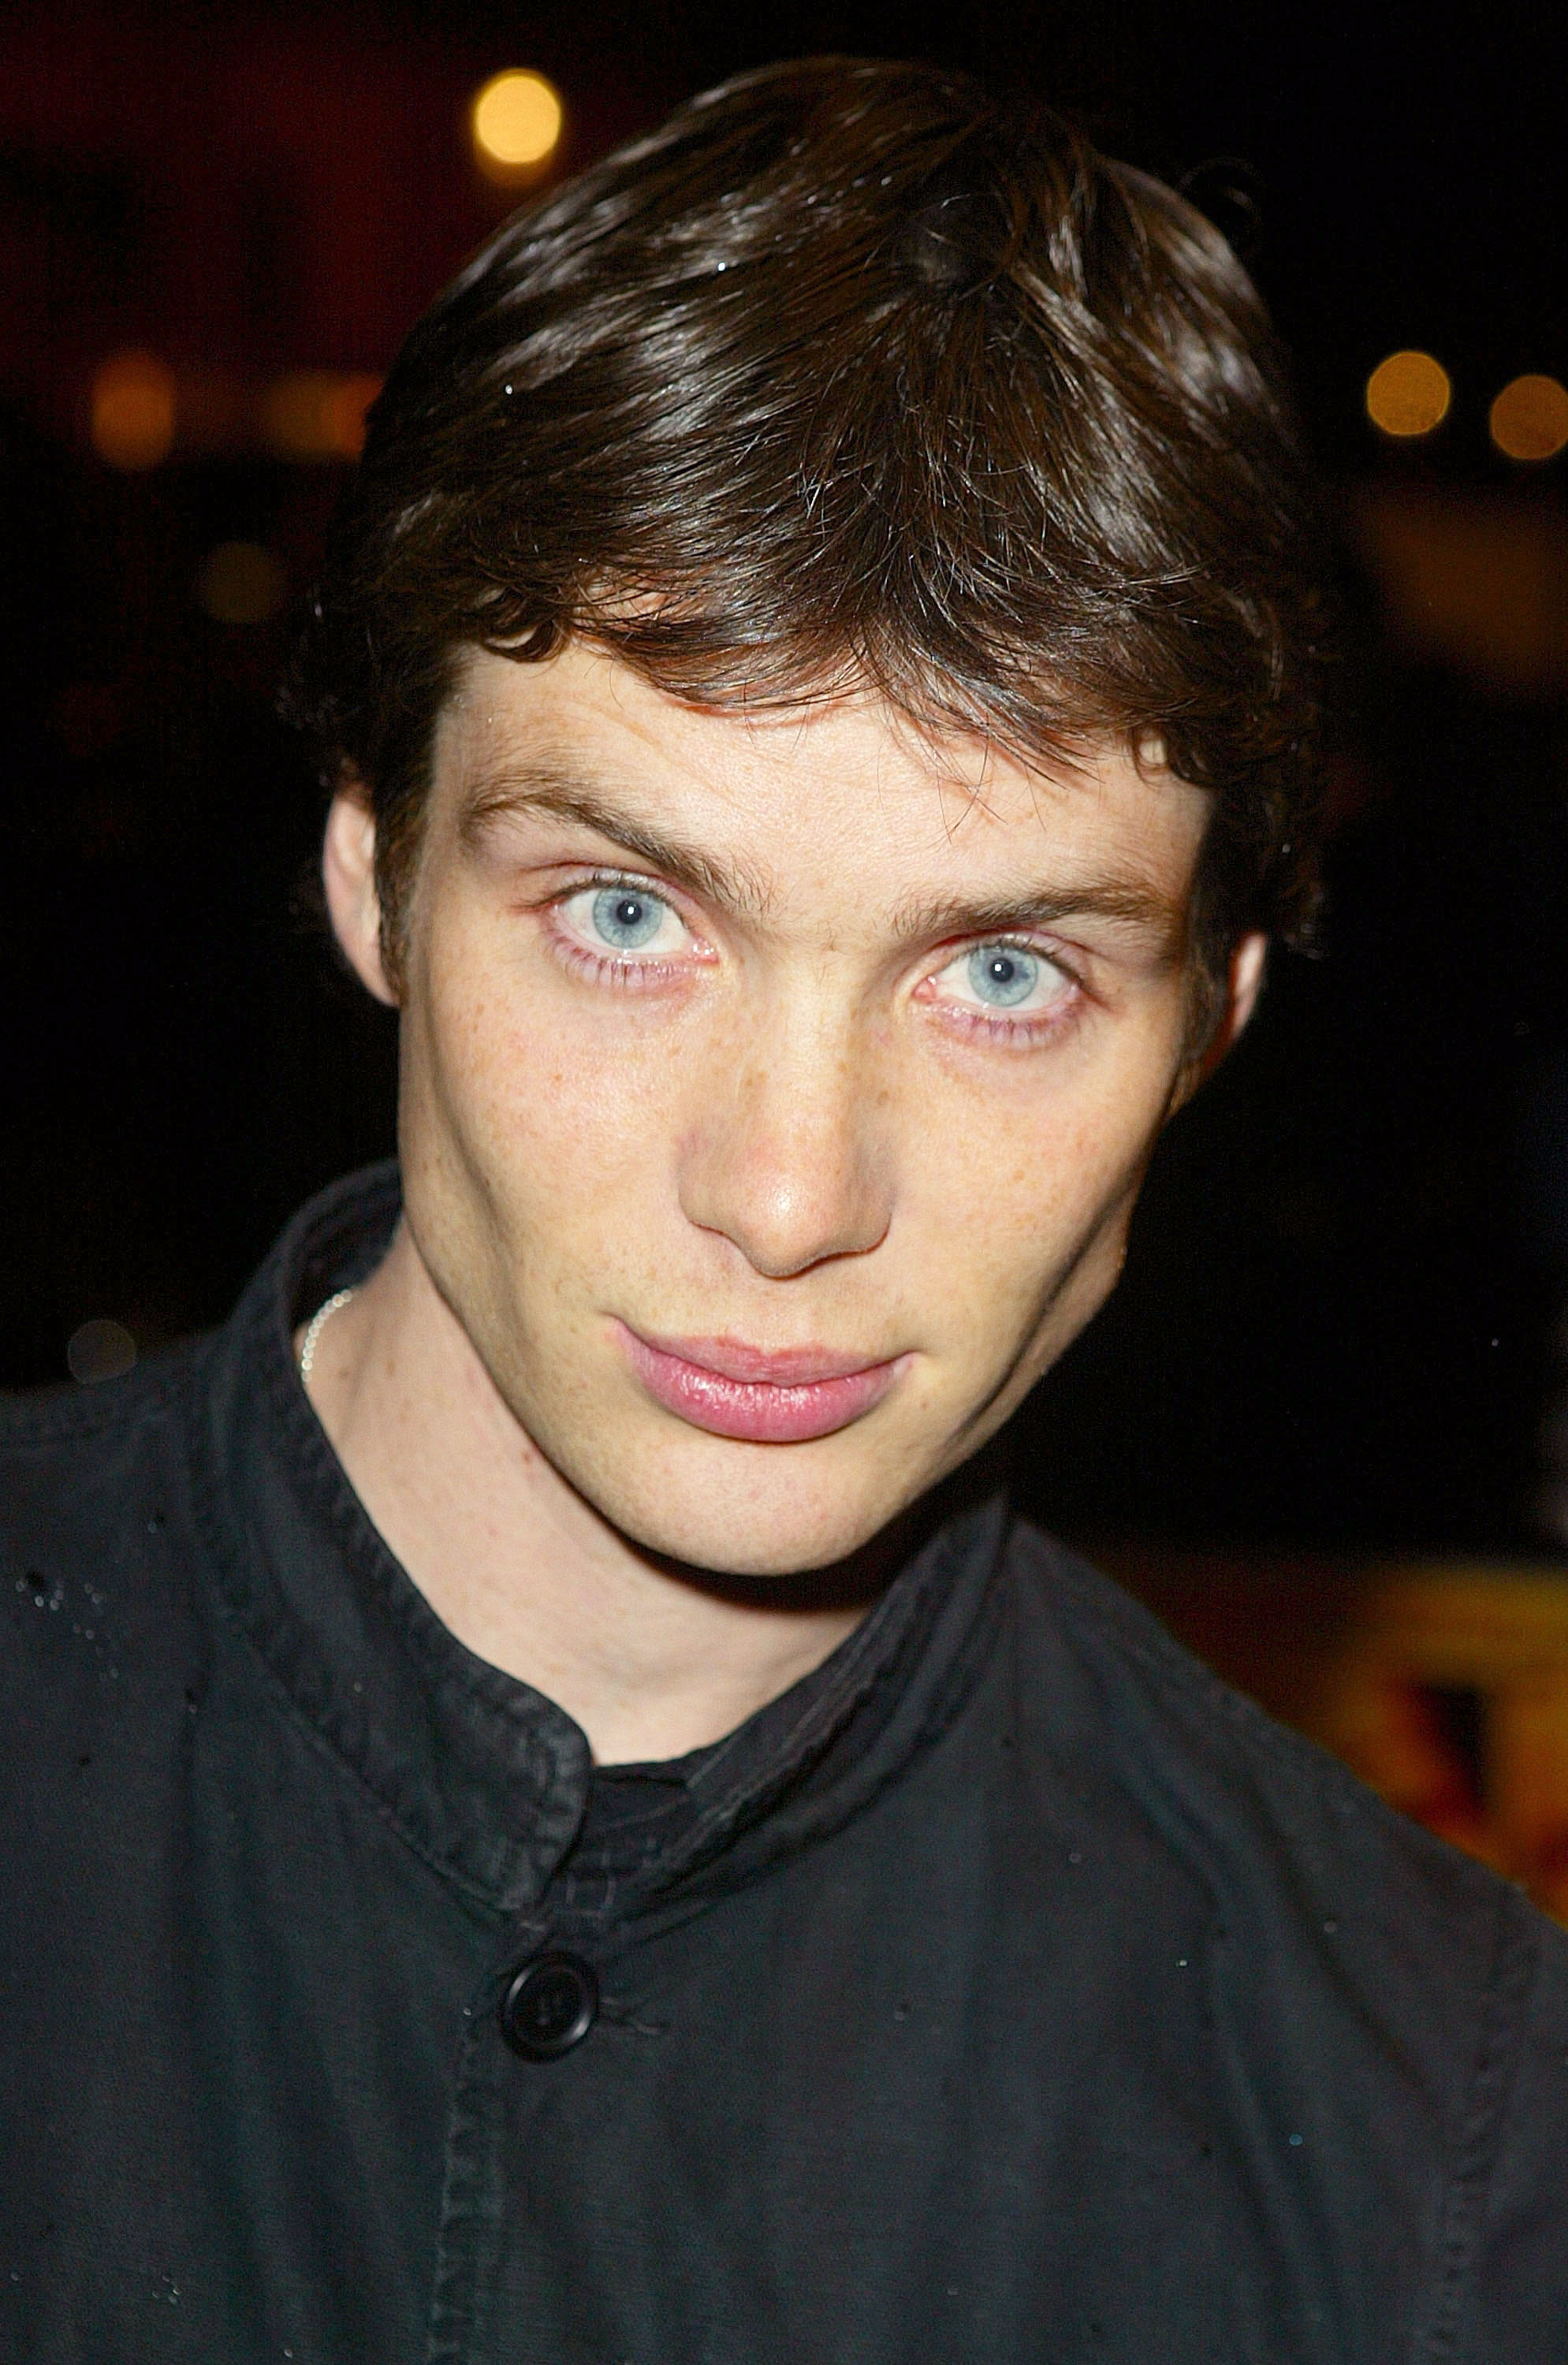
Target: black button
(549,2006)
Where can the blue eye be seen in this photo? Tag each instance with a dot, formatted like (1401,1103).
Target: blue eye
(1002,976)
(627,917)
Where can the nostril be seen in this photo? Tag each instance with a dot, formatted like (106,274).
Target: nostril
(783,1230)
(785,1162)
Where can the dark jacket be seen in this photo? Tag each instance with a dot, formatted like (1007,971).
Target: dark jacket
(1008,1990)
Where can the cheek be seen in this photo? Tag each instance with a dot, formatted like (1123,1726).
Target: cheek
(1031,1200)
(544,1101)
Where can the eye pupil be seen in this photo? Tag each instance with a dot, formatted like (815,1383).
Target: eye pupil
(1002,975)
(626,918)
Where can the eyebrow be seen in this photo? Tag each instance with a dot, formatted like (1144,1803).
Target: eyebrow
(542,786)
(546,788)
(1129,902)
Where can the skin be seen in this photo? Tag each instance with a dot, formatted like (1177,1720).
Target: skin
(789,1118)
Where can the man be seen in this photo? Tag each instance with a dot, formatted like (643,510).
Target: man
(555,1817)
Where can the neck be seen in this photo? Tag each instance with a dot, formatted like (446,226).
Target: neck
(650,1659)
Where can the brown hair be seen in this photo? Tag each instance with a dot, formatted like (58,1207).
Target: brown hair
(849,373)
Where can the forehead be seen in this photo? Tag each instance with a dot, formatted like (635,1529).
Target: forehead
(846,794)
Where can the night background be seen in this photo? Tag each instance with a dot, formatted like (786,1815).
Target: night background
(1337,1337)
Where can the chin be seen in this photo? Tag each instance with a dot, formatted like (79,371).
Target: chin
(782,1529)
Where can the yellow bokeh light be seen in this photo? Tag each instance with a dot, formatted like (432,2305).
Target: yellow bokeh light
(516,120)
(1530,418)
(1408,395)
(133,411)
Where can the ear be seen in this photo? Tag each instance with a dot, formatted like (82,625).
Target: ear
(1244,983)
(348,875)
(1247,964)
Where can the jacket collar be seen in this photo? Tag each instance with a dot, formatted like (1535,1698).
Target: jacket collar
(486,1779)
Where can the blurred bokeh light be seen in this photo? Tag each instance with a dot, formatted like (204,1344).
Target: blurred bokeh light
(1530,418)
(99,1350)
(317,414)
(1476,583)
(1408,395)
(242,583)
(133,411)
(517,119)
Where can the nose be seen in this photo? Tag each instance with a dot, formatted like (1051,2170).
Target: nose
(788,1157)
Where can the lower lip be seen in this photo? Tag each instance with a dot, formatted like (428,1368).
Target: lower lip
(760,1412)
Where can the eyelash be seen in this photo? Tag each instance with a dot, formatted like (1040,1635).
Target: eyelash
(995,1028)
(628,976)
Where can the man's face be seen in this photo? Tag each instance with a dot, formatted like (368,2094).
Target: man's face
(776,1090)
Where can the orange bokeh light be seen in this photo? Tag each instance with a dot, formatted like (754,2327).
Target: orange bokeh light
(516,120)
(1408,395)
(133,416)
(317,414)
(1530,418)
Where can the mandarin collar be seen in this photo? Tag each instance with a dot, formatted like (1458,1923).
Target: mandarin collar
(486,1779)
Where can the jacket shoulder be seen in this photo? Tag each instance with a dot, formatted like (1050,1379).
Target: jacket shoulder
(1391,2000)
(95,1487)
(50,1435)
(1254,1803)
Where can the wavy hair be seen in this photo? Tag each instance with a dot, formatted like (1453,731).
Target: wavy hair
(851,373)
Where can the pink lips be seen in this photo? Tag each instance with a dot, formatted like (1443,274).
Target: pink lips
(734,1389)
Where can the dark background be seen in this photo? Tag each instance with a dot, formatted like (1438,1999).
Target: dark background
(1338,1321)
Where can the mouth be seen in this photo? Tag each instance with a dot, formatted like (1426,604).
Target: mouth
(784,1397)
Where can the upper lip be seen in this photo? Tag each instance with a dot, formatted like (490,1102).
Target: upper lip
(779,1367)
